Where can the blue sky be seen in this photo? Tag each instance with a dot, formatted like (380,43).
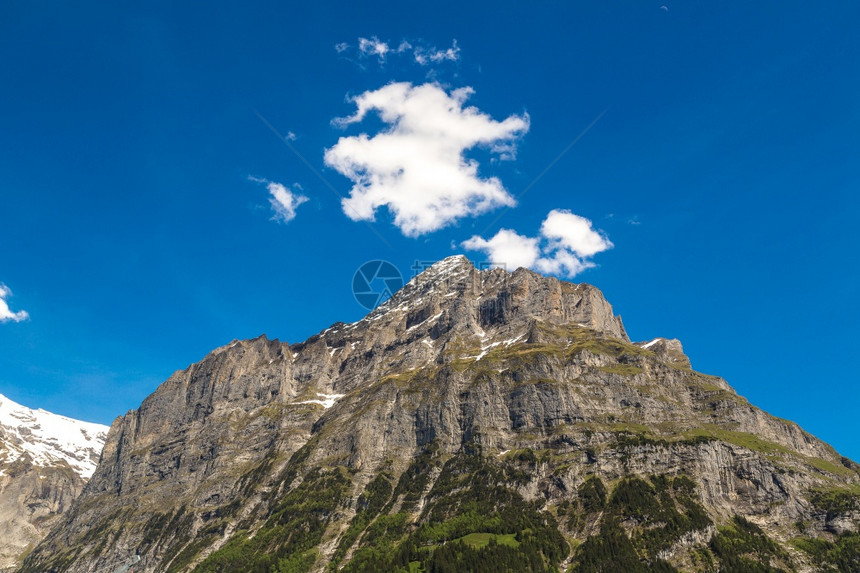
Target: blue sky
(137,232)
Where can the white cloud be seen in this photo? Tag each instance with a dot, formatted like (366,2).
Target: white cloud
(5,314)
(372,47)
(424,55)
(283,201)
(567,231)
(565,245)
(420,52)
(563,263)
(507,247)
(415,167)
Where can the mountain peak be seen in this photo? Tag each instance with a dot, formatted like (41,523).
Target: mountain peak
(458,292)
(447,270)
(450,264)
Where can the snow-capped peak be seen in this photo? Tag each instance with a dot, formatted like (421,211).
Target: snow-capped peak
(49,438)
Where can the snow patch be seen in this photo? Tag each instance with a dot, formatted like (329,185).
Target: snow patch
(486,348)
(652,343)
(510,341)
(327,401)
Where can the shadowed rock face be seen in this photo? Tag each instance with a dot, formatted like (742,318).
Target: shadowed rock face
(513,375)
(31,500)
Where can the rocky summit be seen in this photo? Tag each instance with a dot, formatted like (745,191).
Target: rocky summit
(476,421)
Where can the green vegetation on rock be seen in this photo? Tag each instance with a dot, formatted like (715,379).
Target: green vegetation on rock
(742,547)
(837,500)
(639,520)
(839,556)
(471,522)
(288,539)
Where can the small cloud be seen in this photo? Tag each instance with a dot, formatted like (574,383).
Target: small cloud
(424,56)
(418,51)
(564,246)
(566,231)
(7,315)
(416,166)
(373,47)
(664,8)
(284,201)
(291,136)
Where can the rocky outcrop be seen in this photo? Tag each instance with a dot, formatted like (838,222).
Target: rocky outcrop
(531,378)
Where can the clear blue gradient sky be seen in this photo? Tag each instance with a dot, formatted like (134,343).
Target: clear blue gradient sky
(725,171)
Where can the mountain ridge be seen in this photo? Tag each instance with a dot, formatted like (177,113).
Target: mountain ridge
(522,375)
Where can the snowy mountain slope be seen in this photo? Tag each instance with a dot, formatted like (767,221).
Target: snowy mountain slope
(48,438)
(45,461)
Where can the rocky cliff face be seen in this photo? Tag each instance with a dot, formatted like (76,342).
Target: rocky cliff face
(506,411)
(45,460)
